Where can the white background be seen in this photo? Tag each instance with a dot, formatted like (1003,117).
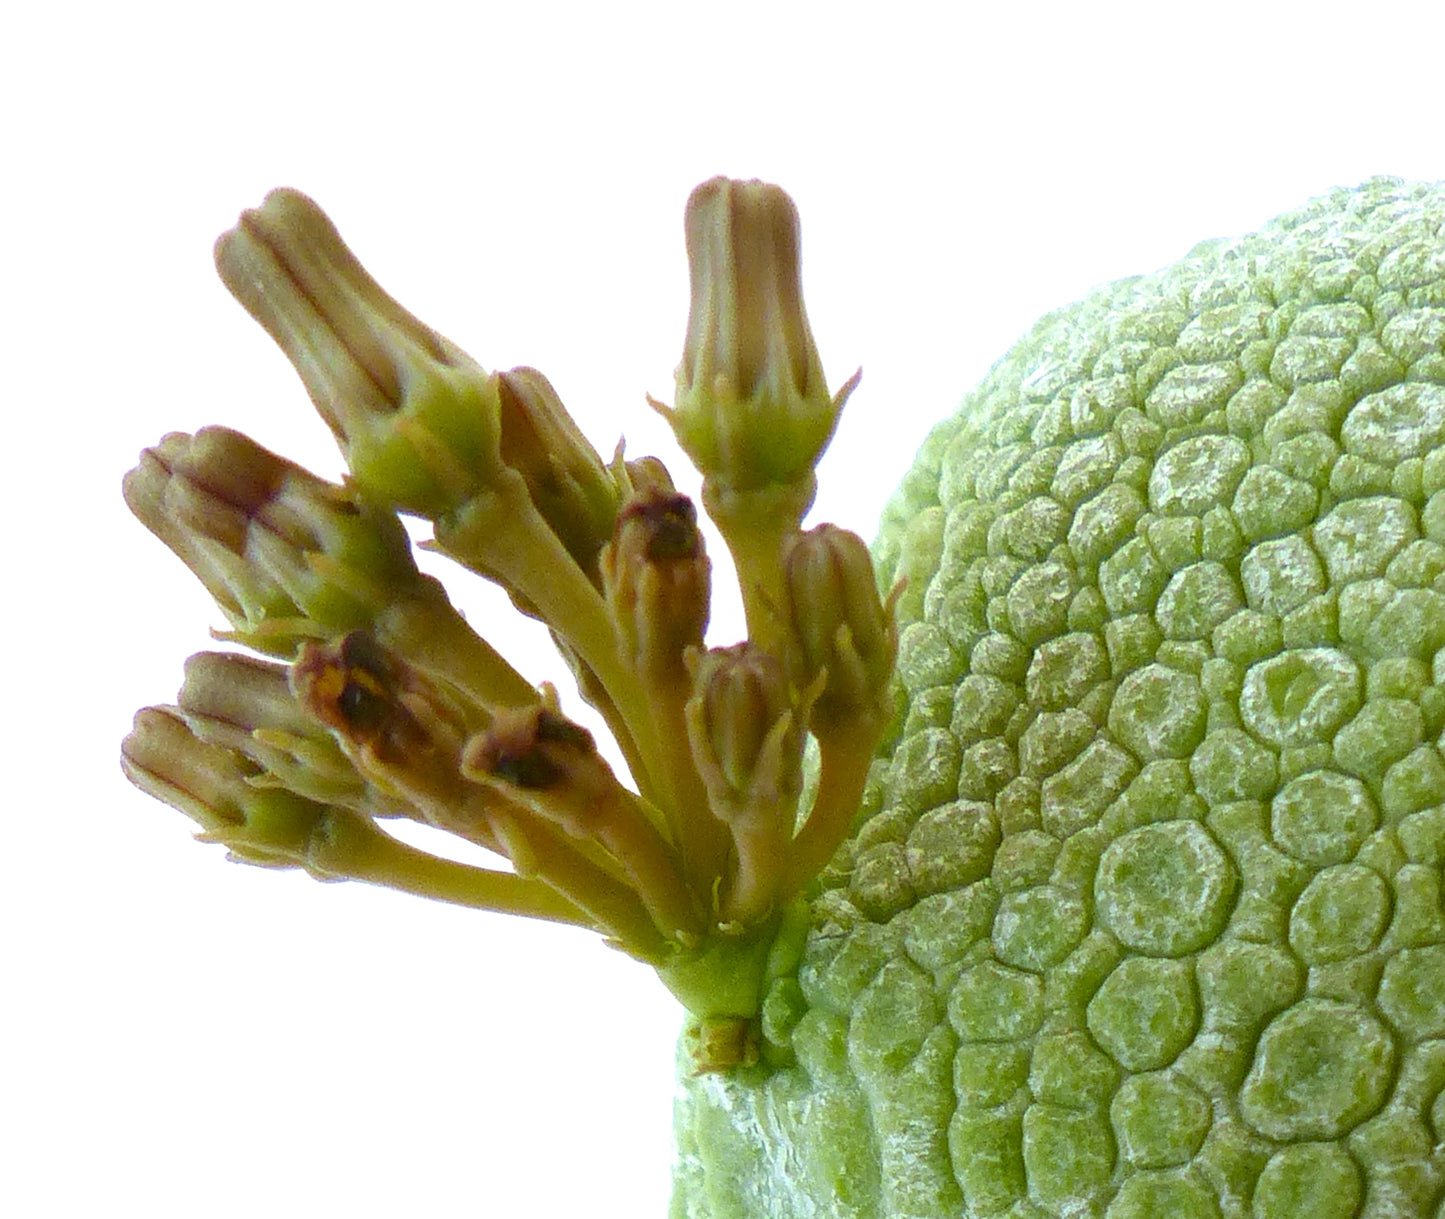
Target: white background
(185,1037)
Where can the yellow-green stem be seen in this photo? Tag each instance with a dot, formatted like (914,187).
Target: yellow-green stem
(755,525)
(845,754)
(702,840)
(541,851)
(500,533)
(353,848)
(760,837)
(429,634)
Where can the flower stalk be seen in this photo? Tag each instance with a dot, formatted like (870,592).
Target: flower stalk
(289,557)
(379,701)
(656,580)
(272,827)
(747,746)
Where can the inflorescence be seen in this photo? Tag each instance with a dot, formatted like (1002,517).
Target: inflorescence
(381,702)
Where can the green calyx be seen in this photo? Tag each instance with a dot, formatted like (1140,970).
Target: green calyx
(388,705)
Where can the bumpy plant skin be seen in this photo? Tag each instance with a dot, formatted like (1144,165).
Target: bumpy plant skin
(1144,915)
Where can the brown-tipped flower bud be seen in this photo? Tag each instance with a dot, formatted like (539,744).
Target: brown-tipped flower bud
(270,826)
(286,555)
(538,750)
(643,474)
(565,477)
(551,766)
(753,408)
(656,579)
(214,787)
(416,417)
(745,729)
(838,623)
(402,732)
(379,707)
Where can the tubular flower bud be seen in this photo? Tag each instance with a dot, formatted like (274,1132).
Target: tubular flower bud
(374,702)
(286,555)
(551,766)
(656,578)
(565,477)
(271,827)
(844,638)
(753,408)
(656,582)
(416,417)
(246,705)
(839,625)
(398,729)
(213,786)
(746,734)
(746,729)
(539,750)
(747,744)
(290,557)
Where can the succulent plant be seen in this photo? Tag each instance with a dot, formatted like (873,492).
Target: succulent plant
(1144,917)
(1079,854)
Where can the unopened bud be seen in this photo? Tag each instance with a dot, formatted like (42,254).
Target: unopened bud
(551,766)
(752,408)
(744,729)
(747,734)
(416,417)
(286,555)
(247,705)
(537,750)
(386,712)
(839,624)
(565,477)
(657,580)
(213,786)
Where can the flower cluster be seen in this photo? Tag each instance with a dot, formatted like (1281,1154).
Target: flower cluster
(379,700)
